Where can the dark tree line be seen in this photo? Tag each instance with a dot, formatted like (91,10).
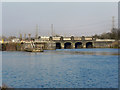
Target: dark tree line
(114,34)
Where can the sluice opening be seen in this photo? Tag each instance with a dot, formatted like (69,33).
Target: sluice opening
(67,45)
(89,45)
(58,45)
(78,45)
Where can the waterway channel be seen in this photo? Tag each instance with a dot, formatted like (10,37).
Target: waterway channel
(61,68)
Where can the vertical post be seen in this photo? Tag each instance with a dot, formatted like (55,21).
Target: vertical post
(113,22)
(24,36)
(36,31)
(20,36)
(52,29)
(54,32)
(29,36)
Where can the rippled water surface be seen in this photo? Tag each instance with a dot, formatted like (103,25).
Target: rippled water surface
(62,68)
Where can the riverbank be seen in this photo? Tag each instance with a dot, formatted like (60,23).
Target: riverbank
(22,46)
(4,87)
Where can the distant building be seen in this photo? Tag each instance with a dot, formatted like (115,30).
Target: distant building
(15,40)
(43,38)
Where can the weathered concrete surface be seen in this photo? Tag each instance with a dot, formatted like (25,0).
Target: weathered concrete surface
(11,47)
(63,43)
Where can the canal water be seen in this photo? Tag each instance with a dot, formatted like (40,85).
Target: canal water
(62,68)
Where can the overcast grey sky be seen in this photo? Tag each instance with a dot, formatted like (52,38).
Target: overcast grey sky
(78,19)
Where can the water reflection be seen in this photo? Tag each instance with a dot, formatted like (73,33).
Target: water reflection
(84,52)
(89,53)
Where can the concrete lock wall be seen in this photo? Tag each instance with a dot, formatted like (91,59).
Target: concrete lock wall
(12,47)
(73,45)
(77,38)
(67,38)
(103,44)
(88,44)
(56,38)
(81,42)
(50,43)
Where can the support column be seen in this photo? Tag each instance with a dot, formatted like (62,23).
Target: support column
(84,45)
(62,45)
(93,44)
(73,45)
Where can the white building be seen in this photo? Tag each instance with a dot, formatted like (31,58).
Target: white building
(15,40)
